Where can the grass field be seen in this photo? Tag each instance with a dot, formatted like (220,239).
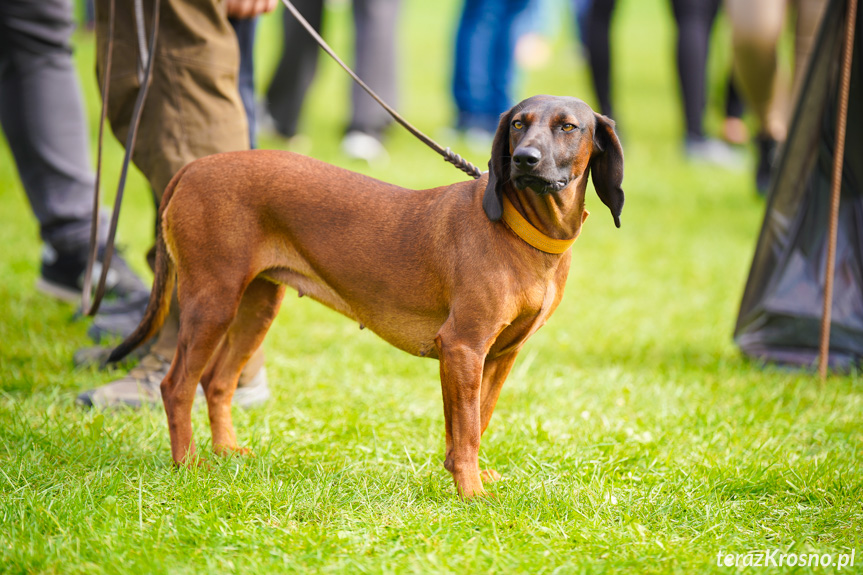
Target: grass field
(632,436)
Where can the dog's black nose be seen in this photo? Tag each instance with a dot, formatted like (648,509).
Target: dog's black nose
(526,157)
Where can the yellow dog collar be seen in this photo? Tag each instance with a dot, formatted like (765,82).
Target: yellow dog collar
(525,230)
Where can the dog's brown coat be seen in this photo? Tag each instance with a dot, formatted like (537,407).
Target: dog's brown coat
(433,272)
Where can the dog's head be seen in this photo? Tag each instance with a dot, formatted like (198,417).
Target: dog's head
(545,143)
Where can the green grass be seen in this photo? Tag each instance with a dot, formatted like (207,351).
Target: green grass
(632,435)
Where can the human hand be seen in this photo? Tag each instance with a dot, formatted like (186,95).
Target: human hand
(249,8)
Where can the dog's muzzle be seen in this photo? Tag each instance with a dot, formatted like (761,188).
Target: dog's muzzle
(527,172)
(537,183)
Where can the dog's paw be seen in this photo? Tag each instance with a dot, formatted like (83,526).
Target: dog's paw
(230,450)
(489,475)
(470,487)
(473,494)
(194,462)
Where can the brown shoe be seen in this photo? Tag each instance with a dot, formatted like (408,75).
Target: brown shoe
(141,387)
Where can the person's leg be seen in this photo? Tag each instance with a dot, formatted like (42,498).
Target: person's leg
(596,40)
(193,110)
(470,67)
(582,8)
(734,129)
(755,30)
(89,15)
(375,62)
(501,64)
(375,53)
(42,115)
(694,20)
(734,106)
(193,107)
(296,68)
(245,31)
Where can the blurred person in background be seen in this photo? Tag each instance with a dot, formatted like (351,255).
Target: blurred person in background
(593,21)
(483,66)
(374,61)
(756,28)
(245,30)
(734,130)
(42,115)
(694,19)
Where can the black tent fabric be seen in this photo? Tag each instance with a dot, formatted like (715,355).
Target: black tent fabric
(780,313)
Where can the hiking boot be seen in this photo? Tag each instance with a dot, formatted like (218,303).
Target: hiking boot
(140,387)
(63,275)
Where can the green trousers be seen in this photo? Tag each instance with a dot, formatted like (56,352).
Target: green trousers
(193,107)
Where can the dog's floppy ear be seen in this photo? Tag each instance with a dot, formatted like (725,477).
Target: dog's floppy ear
(498,170)
(606,166)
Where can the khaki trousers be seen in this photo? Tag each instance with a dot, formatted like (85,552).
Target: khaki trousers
(756,27)
(193,107)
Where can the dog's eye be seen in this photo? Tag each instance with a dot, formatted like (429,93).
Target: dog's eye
(518,125)
(568,127)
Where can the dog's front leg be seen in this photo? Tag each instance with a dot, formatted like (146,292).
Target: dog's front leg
(493,375)
(461,382)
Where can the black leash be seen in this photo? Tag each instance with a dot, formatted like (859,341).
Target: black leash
(447,154)
(86,307)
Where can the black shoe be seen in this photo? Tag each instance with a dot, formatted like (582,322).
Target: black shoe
(97,355)
(63,275)
(768,151)
(118,318)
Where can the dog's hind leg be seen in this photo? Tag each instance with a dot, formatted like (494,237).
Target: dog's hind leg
(202,326)
(494,373)
(258,308)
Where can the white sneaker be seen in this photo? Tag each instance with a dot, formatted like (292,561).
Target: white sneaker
(714,152)
(141,387)
(362,146)
(479,140)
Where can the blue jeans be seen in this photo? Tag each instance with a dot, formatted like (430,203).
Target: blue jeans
(483,70)
(245,30)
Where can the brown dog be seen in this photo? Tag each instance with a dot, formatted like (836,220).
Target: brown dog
(434,272)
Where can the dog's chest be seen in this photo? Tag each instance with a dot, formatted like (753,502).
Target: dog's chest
(535,310)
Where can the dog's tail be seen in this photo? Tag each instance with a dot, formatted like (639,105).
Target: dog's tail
(163,285)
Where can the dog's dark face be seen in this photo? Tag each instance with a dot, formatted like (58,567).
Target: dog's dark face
(546,143)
